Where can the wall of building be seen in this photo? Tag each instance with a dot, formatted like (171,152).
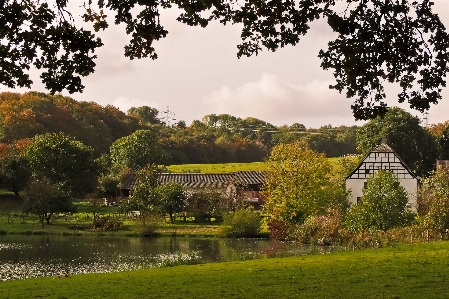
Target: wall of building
(355,186)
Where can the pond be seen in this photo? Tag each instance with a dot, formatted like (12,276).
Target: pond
(25,256)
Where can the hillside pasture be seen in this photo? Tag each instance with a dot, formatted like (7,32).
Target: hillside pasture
(234,167)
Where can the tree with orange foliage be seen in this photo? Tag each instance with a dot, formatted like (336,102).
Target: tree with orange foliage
(14,167)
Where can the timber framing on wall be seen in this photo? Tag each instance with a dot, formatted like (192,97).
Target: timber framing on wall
(382,157)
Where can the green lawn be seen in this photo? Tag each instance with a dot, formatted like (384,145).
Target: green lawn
(232,167)
(13,221)
(408,271)
(218,168)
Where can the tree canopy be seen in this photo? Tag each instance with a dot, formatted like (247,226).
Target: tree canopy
(44,199)
(136,151)
(298,184)
(64,162)
(403,132)
(433,200)
(378,41)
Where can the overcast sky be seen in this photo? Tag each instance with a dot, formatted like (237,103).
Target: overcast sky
(198,73)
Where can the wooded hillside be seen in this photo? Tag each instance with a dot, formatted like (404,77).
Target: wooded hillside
(214,139)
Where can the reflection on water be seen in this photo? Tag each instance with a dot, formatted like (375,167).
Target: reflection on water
(37,256)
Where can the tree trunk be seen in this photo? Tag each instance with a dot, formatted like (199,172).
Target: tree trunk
(41,219)
(48,217)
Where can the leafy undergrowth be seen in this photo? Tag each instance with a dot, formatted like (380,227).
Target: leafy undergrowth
(409,271)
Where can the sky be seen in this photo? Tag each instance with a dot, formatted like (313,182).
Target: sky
(198,73)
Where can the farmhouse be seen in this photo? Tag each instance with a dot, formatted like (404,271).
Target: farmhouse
(382,157)
(245,185)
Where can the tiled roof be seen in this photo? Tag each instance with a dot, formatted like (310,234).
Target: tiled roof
(201,180)
(250,177)
(197,180)
(129,183)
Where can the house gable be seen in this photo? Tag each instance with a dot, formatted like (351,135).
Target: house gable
(381,157)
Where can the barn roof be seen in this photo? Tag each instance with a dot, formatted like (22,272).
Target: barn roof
(202,180)
(250,177)
(197,180)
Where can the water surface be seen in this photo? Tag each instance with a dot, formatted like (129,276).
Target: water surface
(24,256)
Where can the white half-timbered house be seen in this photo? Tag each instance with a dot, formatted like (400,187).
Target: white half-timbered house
(382,157)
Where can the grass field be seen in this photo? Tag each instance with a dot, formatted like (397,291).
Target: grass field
(219,168)
(231,167)
(408,271)
(13,221)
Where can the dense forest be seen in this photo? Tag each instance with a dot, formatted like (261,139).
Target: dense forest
(213,139)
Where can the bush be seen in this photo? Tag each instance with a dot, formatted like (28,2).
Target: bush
(149,223)
(400,235)
(241,223)
(107,223)
(279,230)
(320,230)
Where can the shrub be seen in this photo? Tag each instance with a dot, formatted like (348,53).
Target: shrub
(400,235)
(149,224)
(107,223)
(241,223)
(320,230)
(279,230)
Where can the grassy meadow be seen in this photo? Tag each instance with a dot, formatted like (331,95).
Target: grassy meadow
(218,168)
(232,167)
(406,271)
(13,221)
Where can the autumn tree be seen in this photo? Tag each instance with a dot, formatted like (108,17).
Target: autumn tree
(172,199)
(145,114)
(383,205)
(26,115)
(298,184)
(443,143)
(45,198)
(377,41)
(433,200)
(15,171)
(144,197)
(136,151)
(207,203)
(64,162)
(333,141)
